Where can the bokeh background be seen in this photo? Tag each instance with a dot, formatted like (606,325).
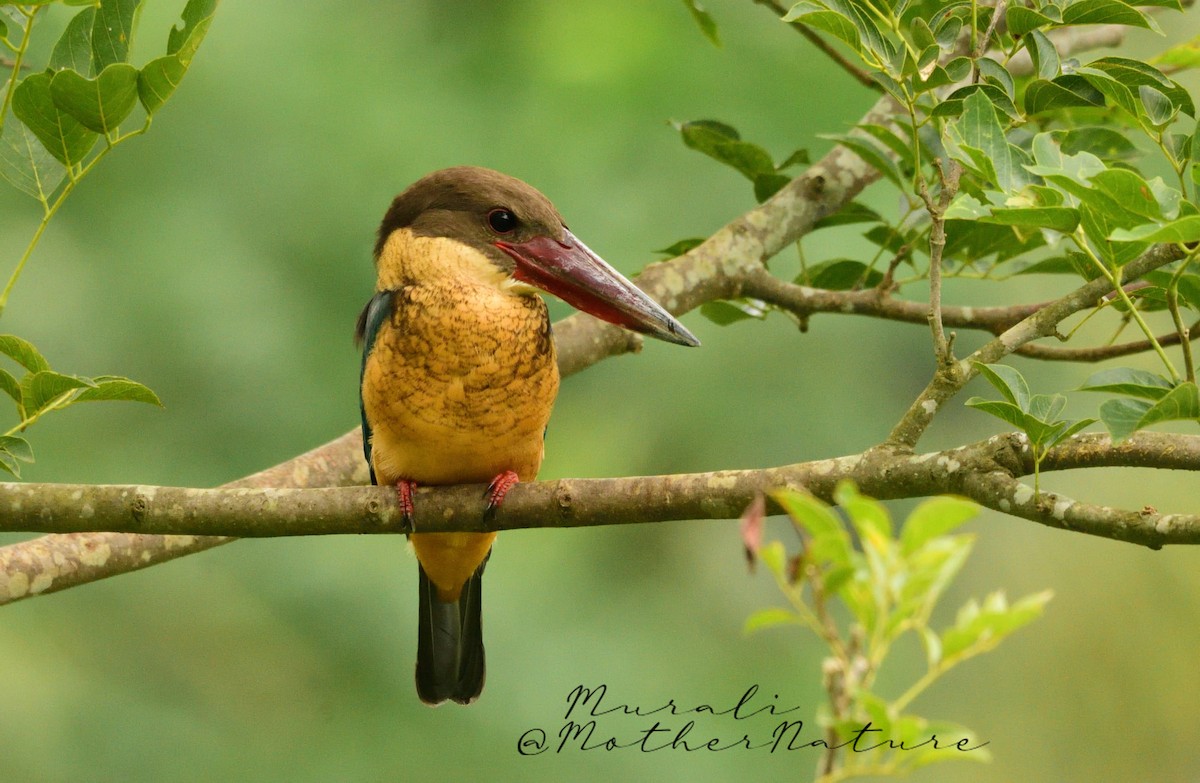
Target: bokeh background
(222,260)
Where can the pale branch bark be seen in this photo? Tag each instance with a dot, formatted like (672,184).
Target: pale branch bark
(986,471)
(56,562)
(717,269)
(948,381)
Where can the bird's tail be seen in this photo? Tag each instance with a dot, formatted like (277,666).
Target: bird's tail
(450,643)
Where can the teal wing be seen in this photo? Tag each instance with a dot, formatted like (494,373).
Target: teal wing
(377,311)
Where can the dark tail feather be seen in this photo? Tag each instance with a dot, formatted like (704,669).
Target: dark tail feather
(450,644)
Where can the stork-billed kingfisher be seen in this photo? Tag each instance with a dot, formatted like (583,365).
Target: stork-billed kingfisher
(459,373)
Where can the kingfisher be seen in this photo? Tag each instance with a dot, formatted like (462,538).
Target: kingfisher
(459,374)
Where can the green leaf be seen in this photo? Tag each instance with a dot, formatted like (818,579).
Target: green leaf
(1072,428)
(10,386)
(854,212)
(978,629)
(770,618)
(1185,229)
(798,158)
(1189,289)
(1008,382)
(114,387)
(25,163)
(1134,74)
(1043,53)
(704,20)
(979,128)
(868,516)
(13,451)
(73,51)
(1046,407)
(1159,109)
(61,134)
(954,103)
(1129,192)
(99,104)
(1022,20)
(1106,12)
(995,73)
(1181,56)
(1129,382)
(23,353)
(871,152)
(159,78)
(829,541)
(681,247)
(1104,143)
(767,185)
(1181,403)
(1121,416)
(112,30)
(842,274)
(774,558)
(1007,411)
(947,31)
(901,148)
(17,446)
(39,389)
(724,313)
(721,143)
(832,22)
(1064,92)
(932,518)
(1064,219)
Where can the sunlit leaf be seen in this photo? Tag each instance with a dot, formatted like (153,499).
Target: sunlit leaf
(770,618)
(23,353)
(116,388)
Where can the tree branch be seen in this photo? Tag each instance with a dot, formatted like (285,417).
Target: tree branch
(986,471)
(947,382)
(720,268)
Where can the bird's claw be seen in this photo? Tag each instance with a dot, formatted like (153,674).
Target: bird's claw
(496,491)
(404,494)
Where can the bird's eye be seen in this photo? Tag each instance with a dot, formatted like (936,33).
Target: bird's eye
(501,221)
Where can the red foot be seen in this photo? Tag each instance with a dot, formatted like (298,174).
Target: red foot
(498,489)
(404,493)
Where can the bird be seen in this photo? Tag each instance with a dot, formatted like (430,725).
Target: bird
(459,374)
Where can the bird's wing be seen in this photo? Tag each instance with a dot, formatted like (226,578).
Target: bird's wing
(378,310)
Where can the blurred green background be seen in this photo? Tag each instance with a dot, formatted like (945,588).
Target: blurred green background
(222,260)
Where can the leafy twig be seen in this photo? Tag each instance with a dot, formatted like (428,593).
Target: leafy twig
(861,76)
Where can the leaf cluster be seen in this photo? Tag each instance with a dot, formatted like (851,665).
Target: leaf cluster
(889,583)
(56,124)
(38,390)
(1057,165)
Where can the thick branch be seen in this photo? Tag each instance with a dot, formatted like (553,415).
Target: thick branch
(986,471)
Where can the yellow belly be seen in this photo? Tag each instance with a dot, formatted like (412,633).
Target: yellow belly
(458,389)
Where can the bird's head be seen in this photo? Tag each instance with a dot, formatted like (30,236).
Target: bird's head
(523,239)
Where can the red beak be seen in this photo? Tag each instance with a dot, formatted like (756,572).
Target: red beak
(573,273)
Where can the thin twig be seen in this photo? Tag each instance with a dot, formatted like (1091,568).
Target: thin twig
(859,74)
